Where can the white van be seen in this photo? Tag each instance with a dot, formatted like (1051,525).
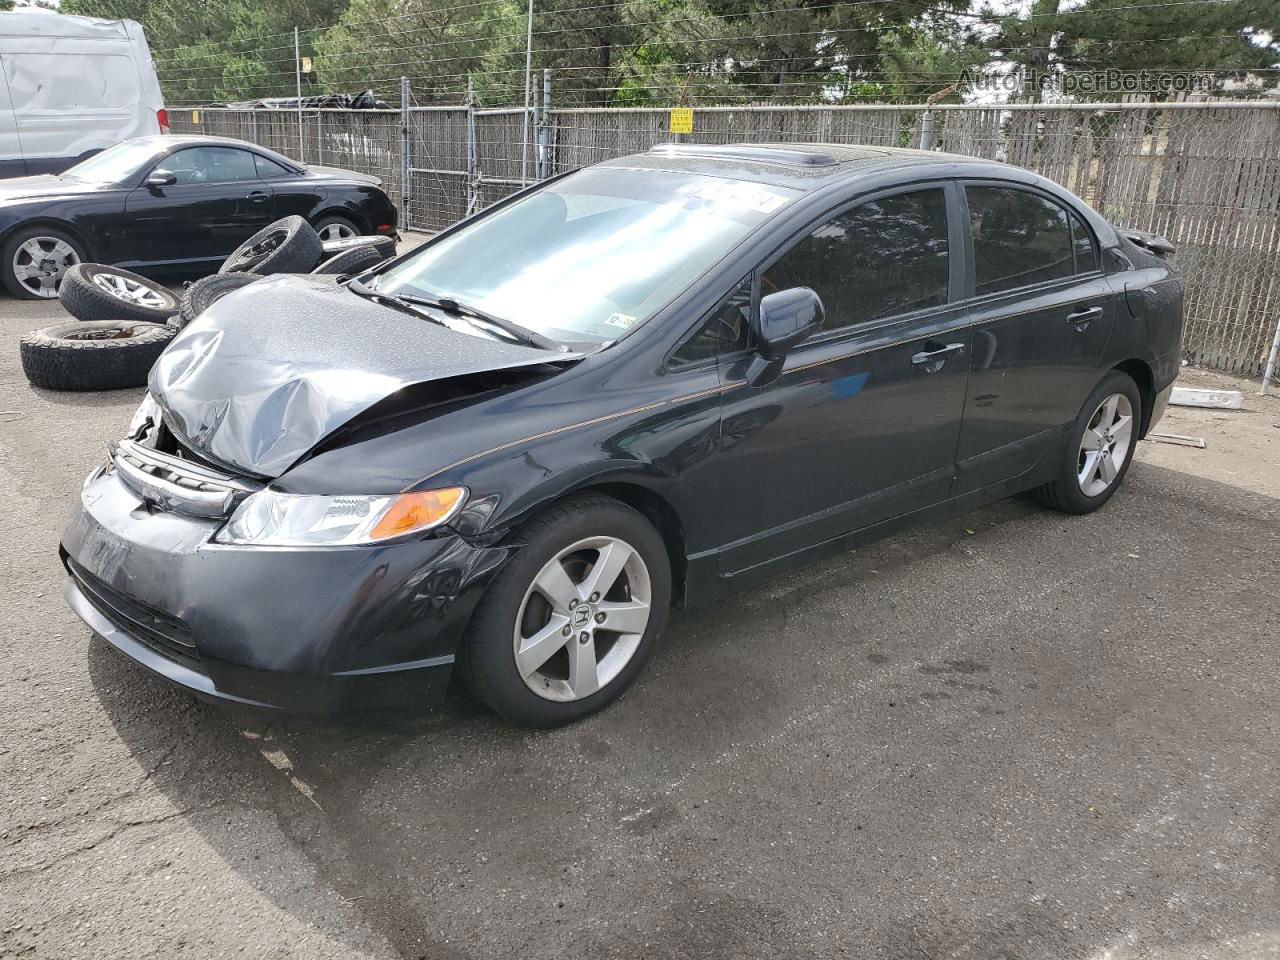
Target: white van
(71,86)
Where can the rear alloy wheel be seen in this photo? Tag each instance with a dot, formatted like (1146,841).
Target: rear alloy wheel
(1104,446)
(335,228)
(566,625)
(1100,448)
(36,260)
(95,291)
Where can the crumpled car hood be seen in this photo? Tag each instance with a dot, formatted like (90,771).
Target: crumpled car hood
(272,369)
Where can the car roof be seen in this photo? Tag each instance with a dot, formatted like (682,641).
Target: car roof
(169,142)
(802,166)
(811,167)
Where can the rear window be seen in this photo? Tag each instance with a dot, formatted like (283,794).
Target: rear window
(1019,238)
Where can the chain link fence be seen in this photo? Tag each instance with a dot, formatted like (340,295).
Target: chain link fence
(1207,176)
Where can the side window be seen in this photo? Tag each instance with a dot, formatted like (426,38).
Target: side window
(1019,238)
(879,259)
(210,165)
(269,168)
(1086,255)
(723,332)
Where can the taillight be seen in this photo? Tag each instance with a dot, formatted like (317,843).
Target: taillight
(162,117)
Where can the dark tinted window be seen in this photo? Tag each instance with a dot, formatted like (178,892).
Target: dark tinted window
(210,165)
(882,258)
(269,168)
(724,331)
(1086,255)
(1019,238)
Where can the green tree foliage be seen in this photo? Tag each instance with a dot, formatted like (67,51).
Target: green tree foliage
(214,50)
(1235,40)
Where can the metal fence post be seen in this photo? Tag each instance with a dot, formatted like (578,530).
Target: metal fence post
(406,150)
(297,73)
(473,158)
(1270,369)
(926,130)
(253,125)
(543,168)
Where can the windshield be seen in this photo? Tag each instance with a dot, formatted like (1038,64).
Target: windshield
(115,164)
(592,255)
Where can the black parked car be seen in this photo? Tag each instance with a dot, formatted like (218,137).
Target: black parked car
(660,379)
(171,204)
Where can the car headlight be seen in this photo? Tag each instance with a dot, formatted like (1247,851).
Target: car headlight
(269,518)
(147,410)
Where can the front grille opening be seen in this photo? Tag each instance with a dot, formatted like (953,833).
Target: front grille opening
(160,632)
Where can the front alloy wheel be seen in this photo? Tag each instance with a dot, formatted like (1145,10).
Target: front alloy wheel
(582,618)
(569,619)
(39,264)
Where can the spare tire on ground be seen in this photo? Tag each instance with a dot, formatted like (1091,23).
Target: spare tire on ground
(98,291)
(93,354)
(385,245)
(289,245)
(202,294)
(353,260)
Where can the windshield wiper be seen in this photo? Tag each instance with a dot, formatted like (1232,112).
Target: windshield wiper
(511,328)
(399,303)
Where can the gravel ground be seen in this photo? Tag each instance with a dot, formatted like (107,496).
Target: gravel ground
(1017,735)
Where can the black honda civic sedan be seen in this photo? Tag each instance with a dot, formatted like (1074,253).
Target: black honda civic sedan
(171,204)
(653,381)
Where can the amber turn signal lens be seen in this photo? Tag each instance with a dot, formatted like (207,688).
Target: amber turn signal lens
(417,511)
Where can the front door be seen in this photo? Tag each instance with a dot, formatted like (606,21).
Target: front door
(216,204)
(1042,314)
(862,422)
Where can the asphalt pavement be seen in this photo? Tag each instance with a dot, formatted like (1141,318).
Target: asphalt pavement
(1016,736)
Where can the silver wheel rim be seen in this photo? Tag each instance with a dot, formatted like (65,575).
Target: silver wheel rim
(336,231)
(40,263)
(130,291)
(582,619)
(1105,445)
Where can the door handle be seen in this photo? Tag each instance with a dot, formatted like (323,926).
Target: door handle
(258,197)
(932,360)
(1081,319)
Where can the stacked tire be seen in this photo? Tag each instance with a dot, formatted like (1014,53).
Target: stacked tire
(124,321)
(121,327)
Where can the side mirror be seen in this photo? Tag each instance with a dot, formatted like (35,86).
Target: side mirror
(161,178)
(786,318)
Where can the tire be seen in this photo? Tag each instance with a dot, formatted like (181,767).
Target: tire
(289,245)
(512,606)
(61,250)
(95,291)
(385,245)
(352,260)
(206,291)
(334,227)
(1070,492)
(93,354)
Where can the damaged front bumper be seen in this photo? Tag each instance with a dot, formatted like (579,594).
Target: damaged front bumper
(322,629)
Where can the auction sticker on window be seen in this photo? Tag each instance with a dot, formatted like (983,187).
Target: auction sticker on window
(741,194)
(621,320)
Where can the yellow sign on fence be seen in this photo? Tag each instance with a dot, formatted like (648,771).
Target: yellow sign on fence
(195,116)
(682,120)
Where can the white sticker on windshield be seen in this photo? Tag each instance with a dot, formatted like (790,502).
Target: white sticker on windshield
(752,196)
(623,320)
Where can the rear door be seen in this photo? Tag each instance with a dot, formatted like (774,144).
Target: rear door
(216,204)
(1042,313)
(861,424)
(11,161)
